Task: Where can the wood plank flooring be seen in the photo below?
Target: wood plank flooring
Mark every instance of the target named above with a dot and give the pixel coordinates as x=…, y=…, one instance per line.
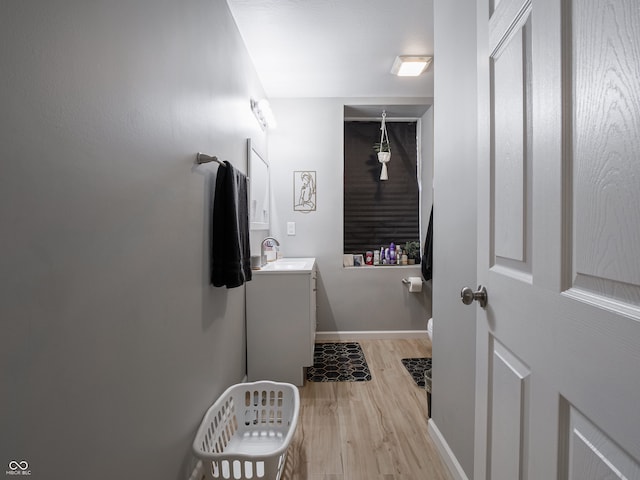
x=374, y=430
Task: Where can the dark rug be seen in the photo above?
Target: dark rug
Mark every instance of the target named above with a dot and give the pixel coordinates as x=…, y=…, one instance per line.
x=338, y=362
x=417, y=367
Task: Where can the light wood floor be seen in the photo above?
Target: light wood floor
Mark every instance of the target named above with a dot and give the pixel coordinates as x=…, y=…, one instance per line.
x=374, y=430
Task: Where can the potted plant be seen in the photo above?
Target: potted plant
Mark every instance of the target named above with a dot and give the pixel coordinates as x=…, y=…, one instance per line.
x=413, y=252
x=384, y=155
x=383, y=151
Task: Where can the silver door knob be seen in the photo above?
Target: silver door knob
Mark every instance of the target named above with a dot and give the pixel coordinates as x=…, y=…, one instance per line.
x=480, y=295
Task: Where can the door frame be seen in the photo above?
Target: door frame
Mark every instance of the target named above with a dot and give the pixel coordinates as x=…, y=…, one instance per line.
x=455, y=248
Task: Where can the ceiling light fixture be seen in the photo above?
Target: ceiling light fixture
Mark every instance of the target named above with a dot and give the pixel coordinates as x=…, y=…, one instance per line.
x=410, y=66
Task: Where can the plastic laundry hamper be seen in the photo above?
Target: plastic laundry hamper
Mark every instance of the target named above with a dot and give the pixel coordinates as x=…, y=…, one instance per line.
x=247, y=431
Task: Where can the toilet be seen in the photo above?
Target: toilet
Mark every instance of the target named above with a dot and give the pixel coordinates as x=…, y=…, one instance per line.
x=430, y=328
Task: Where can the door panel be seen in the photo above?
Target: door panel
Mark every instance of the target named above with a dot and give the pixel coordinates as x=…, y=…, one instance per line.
x=592, y=455
x=511, y=140
x=509, y=157
x=509, y=413
x=606, y=150
x=558, y=345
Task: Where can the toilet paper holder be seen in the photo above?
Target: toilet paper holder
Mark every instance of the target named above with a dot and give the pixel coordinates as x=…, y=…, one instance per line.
x=414, y=284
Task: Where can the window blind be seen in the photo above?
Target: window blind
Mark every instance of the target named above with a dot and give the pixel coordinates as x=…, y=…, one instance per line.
x=377, y=212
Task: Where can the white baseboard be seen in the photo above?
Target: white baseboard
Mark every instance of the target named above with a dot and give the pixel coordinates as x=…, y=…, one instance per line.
x=446, y=453
x=369, y=335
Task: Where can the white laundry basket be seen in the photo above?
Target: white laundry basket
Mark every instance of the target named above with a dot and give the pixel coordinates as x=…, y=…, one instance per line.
x=247, y=431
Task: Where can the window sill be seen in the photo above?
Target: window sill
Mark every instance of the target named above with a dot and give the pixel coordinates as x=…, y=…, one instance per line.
x=379, y=267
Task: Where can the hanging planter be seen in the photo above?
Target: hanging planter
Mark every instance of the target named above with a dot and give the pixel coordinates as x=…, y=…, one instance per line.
x=383, y=158
x=383, y=148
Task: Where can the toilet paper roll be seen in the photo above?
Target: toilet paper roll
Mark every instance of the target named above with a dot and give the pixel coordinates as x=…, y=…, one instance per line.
x=415, y=284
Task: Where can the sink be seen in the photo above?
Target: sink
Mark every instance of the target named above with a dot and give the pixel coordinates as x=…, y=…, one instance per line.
x=288, y=265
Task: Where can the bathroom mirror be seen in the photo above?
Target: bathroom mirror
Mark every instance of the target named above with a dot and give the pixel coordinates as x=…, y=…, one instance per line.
x=259, y=191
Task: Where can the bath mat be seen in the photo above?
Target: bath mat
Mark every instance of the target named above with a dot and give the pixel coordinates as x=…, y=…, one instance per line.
x=417, y=367
x=338, y=362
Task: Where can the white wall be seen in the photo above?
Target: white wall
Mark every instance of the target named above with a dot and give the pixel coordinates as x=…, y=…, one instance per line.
x=310, y=137
x=455, y=226
x=113, y=342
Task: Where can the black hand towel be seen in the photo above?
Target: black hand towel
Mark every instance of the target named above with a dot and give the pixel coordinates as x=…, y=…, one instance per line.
x=427, y=257
x=230, y=252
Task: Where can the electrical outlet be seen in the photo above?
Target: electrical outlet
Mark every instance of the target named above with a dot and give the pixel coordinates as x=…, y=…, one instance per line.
x=291, y=228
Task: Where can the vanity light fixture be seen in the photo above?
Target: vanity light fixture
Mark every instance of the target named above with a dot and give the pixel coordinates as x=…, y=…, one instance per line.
x=410, y=66
x=262, y=110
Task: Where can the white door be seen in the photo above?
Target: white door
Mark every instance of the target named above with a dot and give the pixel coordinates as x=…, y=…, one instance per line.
x=558, y=344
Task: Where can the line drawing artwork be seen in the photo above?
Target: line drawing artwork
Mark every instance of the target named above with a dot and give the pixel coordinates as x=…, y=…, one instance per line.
x=304, y=191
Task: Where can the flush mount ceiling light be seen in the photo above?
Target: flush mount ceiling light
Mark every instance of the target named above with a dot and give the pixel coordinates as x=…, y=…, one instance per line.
x=410, y=66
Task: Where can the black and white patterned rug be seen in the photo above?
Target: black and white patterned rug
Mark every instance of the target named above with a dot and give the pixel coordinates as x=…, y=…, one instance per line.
x=417, y=367
x=338, y=362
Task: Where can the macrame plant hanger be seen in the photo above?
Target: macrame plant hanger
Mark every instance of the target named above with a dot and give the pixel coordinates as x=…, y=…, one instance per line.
x=384, y=155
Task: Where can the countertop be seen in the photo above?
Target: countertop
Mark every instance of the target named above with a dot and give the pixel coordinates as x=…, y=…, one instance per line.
x=288, y=265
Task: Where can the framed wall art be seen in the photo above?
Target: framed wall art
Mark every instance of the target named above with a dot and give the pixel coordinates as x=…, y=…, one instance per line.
x=304, y=191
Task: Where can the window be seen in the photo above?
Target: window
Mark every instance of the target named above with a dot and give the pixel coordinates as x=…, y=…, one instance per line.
x=378, y=212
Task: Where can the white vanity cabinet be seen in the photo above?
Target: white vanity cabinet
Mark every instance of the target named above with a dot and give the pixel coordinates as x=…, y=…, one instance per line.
x=281, y=320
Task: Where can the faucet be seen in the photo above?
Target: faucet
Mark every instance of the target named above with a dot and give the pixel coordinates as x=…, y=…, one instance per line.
x=263, y=260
